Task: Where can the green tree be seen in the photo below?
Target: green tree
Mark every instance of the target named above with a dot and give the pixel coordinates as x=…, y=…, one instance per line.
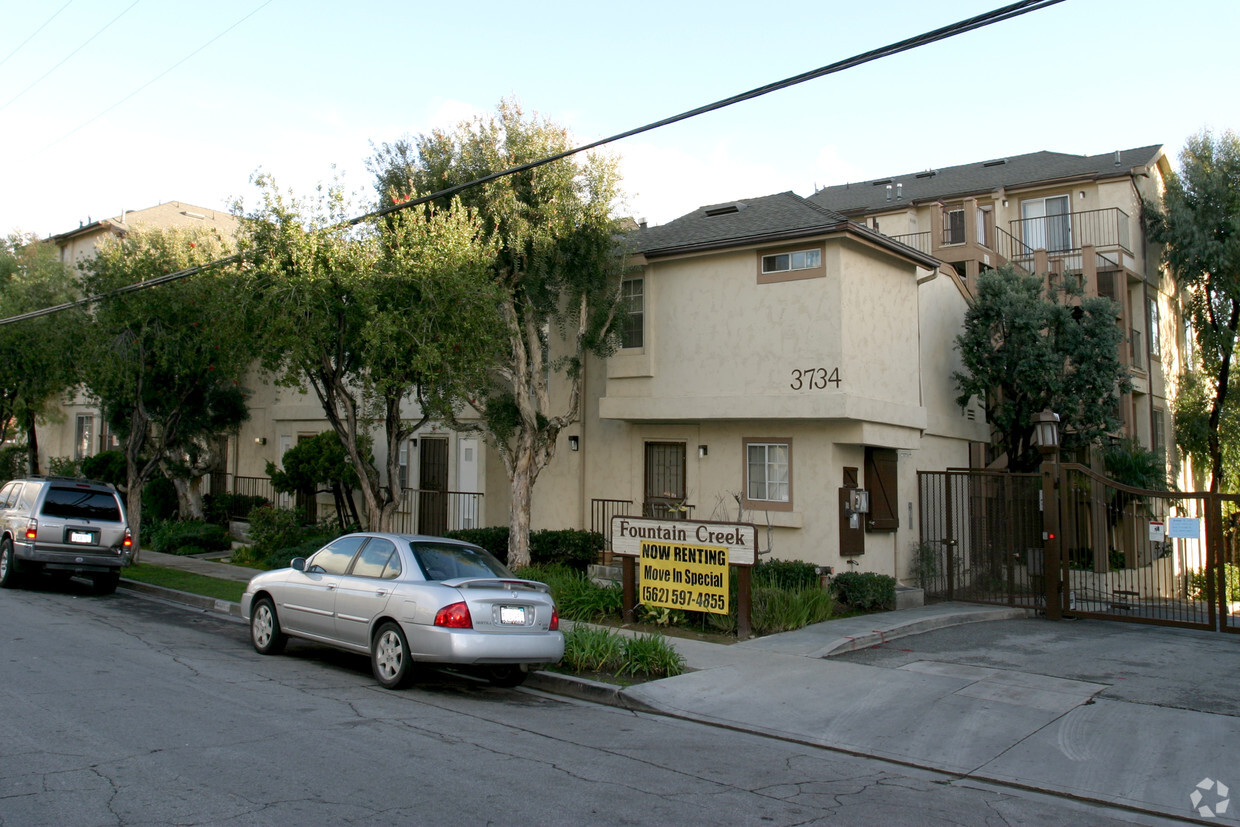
x=1199, y=228
x=164, y=362
x=374, y=320
x=319, y=464
x=557, y=263
x=1027, y=349
x=36, y=355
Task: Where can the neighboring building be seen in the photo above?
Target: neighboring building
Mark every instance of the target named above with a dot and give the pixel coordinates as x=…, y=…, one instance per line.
x=1069, y=216
x=83, y=432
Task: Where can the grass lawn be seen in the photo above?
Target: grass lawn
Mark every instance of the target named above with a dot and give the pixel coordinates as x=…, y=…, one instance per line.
x=185, y=581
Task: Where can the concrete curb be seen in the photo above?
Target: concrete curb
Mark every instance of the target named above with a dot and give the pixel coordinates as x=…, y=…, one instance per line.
x=195, y=601
x=878, y=637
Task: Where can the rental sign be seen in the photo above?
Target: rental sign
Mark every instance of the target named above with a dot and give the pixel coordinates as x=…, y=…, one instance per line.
x=684, y=565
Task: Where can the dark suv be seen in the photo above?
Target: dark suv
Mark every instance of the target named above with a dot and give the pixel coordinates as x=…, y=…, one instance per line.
x=63, y=526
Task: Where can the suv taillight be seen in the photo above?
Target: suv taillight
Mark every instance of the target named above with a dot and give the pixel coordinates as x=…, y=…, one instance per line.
x=128, y=541
x=32, y=530
x=455, y=616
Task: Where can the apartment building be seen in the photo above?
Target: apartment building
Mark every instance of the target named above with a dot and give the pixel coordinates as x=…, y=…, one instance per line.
x=1068, y=216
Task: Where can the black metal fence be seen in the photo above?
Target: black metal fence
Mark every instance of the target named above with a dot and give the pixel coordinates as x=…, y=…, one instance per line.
x=1167, y=558
x=981, y=537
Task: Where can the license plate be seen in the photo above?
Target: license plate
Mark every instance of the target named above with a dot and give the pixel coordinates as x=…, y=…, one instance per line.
x=512, y=615
x=83, y=537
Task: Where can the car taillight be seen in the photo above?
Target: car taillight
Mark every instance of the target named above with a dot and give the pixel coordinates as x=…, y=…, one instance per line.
x=128, y=541
x=32, y=530
x=455, y=616
x=555, y=619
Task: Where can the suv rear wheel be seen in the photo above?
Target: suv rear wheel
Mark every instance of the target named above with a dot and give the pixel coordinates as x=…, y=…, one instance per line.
x=8, y=565
x=106, y=582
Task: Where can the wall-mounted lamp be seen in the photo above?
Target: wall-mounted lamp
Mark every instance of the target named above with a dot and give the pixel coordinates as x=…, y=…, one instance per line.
x=574, y=443
x=703, y=451
x=260, y=440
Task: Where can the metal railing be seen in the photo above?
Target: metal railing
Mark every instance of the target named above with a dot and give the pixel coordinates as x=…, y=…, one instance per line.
x=918, y=241
x=437, y=512
x=1105, y=228
x=601, y=512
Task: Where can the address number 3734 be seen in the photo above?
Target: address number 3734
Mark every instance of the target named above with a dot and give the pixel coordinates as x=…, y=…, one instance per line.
x=814, y=379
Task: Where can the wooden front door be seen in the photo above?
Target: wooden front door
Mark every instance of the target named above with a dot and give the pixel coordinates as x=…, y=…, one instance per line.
x=432, y=485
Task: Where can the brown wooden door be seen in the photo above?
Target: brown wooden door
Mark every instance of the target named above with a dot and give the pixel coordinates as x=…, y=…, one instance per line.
x=665, y=480
x=432, y=485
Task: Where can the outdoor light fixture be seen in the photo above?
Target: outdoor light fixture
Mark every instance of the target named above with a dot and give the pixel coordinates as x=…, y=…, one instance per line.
x=702, y=451
x=1046, y=432
x=260, y=440
x=574, y=443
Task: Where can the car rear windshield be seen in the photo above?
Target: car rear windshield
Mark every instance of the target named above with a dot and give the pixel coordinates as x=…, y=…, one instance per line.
x=444, y=561
x=81, y=504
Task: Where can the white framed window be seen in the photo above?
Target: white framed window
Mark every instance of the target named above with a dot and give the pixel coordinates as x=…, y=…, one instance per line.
x=796, y=260
x=953, y=226
x=1152, y=308
x=84, y=434
x=768, y=473
x=632, y=308
x=1190, y=345
x=1046, y=223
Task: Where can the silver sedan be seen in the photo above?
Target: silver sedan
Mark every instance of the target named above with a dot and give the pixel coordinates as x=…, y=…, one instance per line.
x=407, y=599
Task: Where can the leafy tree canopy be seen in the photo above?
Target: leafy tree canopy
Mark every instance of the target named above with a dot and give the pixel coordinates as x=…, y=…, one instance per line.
x=1198, y=225
x=556, y=261
x=1027, y=349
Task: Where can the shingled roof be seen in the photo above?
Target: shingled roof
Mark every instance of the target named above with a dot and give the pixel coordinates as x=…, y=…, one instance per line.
x=767, y=219
x=981, y=177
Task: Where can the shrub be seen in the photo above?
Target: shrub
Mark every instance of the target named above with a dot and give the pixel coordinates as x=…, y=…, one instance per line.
x=785, y=574
x=1197, y=583
x=493, y=538
x=577, y=596
x=570, y=547
x=224, y=507
x=106, y=466
x=784, y=609
x=12, y=462
x=277, y=536
x=865, y=590
x=189, y=537
x=63, y=467
x=159, y=501
x=593, y=649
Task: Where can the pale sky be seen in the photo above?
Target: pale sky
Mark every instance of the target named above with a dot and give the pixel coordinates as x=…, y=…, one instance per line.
x=111, y=105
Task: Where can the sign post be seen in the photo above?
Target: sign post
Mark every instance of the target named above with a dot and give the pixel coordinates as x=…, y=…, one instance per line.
x=685, y=565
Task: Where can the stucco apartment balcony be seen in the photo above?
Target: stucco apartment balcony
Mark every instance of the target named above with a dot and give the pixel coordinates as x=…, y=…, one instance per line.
x=1065, y=237
x=969, y=240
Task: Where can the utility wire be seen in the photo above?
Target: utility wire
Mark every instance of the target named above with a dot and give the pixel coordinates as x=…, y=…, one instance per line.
x=967, y=25
x=36, y=31
x=82, y=126
x=71, y=54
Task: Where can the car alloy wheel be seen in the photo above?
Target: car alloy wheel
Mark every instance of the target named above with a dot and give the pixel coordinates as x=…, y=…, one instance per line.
x=389, y=657
x=265, y=631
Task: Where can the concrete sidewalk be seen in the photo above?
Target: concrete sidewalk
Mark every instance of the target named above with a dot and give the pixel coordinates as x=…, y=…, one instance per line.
x=987, y=724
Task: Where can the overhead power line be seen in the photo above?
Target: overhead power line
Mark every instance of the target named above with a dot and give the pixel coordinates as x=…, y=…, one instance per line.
x=36, y=31
x=65, y=59
x=970, y=24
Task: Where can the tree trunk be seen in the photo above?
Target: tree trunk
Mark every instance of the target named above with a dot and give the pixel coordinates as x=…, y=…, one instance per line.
x=32, y=444
x=133, y=505
x=519, y=515
x=189, y=498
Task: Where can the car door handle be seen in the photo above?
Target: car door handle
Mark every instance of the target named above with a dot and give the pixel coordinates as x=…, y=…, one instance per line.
x=331, y=586
x=381, y=592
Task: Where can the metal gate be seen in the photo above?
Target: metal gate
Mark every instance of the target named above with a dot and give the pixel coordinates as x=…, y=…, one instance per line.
x=981, y=536
x=1104, y=550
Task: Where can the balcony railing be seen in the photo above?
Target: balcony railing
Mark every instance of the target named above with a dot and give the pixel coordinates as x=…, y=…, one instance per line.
x=1104, y=229
x=918, y=241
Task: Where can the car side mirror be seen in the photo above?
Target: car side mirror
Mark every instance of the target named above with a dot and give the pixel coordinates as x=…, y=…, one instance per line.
x=297, y=564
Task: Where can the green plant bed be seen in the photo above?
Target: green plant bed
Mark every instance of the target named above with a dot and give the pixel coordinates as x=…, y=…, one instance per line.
x=185, y=581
